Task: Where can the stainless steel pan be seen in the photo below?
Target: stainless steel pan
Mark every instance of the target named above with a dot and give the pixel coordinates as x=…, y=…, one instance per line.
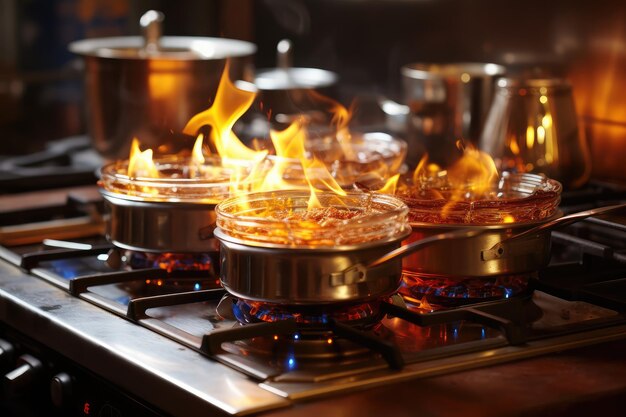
x=306, y=276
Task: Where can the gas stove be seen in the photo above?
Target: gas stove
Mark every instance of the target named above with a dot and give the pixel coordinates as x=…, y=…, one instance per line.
x=85, y=333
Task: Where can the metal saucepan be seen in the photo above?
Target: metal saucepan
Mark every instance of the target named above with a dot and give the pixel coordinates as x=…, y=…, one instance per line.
x=151, y=86
x=159, y=226
x=484, y=250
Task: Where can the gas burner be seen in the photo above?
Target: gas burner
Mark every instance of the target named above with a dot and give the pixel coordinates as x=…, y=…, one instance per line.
x=308, y=347
x=204, y=262
x=363, y=315
x=435, y=292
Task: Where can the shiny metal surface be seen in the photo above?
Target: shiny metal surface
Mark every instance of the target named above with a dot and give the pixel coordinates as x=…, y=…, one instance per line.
x=447, y=102
x=151, y=27
x=533, y=126
x=448, y=257
x=162, y=372
x=168, y=374
x=159, y=226
x=131, y=93
x=499, y=250
x=293, y=275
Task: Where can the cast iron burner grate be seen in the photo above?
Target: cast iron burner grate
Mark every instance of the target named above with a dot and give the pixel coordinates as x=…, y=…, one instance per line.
x=63, y=163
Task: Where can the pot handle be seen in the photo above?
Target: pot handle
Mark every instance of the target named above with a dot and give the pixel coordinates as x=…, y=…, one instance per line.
x=499, y=249
x=150, y=23
x=284, y=50
x=358, y=272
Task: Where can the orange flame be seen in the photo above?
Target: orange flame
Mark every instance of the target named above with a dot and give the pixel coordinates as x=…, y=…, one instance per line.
x=140, y=162
x=229, y=105
x=248, y=170
x=289, y=146
x=197, y=155
x=470, y=178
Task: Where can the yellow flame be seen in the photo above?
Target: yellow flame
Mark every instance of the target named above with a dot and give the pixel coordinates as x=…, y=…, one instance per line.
x=197, y=156
x=390, y=186
x=470, y=177
x=229, y=105
x=290, y=150
x=289, y=146
x=318, y=176
x=140, y=163
x=475, y=171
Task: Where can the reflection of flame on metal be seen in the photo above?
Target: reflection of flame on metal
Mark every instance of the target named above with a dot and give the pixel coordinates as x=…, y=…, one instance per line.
x=254, y=311
x=171, y=261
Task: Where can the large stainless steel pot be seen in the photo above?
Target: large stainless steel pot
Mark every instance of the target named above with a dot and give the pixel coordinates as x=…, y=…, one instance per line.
x=446, y=102
x=148, y=87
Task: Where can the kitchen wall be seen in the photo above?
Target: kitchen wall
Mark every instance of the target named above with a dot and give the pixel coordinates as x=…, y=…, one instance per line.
x=365, y=41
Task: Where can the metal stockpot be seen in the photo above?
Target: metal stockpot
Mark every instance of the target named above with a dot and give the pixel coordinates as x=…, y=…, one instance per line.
x=148, y=87
x=446, y=102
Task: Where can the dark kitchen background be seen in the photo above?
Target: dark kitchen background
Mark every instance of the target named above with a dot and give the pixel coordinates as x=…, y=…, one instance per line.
x=364, y=41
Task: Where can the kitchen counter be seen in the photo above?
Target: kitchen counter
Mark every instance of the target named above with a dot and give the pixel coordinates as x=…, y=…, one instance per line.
x=580, y=382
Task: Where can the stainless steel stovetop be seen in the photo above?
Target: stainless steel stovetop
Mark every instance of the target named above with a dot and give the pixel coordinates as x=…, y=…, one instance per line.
x=187, y=348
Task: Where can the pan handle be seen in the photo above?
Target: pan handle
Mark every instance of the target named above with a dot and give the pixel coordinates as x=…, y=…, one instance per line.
x=358, y=272
x=498, y=250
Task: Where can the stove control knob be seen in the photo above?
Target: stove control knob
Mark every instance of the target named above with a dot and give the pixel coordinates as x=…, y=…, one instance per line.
x=24, y=376
x=61, y=390
x=6, y=354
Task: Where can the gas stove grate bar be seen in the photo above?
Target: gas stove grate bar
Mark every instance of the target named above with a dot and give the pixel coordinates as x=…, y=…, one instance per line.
x=137, y=307
x=10, y=256
x=587, y=246
x=212, y=342
x=514, y=334
x=80, y=284
x=31, y=260
x=389, y=351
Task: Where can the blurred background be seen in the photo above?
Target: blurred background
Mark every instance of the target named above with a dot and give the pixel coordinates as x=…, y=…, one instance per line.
x=364, y=41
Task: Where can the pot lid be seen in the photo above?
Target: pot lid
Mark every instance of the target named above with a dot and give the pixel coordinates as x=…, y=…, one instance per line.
x=294, y=78
x=170, y=47
x=152, y=46
x=285, y=77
